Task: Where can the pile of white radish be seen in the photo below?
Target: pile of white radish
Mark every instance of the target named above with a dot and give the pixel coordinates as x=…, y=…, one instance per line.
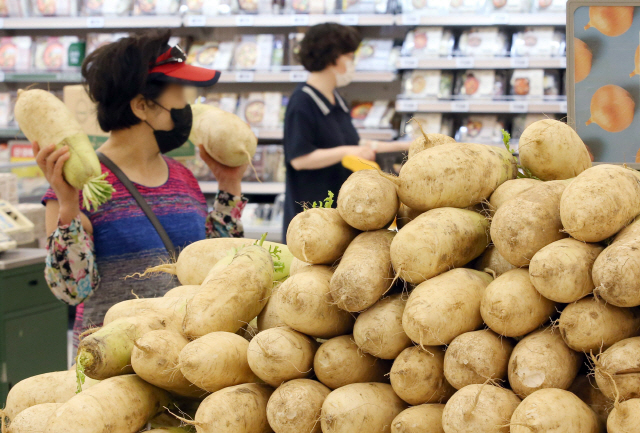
x=500, y=305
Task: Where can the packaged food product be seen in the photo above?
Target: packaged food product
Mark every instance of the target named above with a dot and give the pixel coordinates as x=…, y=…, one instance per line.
x=359, y=112
x=15, y=53
x=64, y=53
x=484, y=42
x=210, y=7
x=538, y=42
x=156, y=7
x=211, y=55
x=431, y=123
x=51, y=8
x=293, y=48
x=14, y=8
x=261, y=109
x=97, y=40
x=549, y=5
x=511, y=6
x=425, y=7
x=379, y=115
x=485, y=129
x=428, y=42
x=374, y=55
x=521, y=122
x=535, y=83
x=277, y=56
x=427, y=84
x=107, y=7
x=482, y=84
x=466, y=6
x=5, y=109
x=253, y=52
x=363, y=6
x=305, y=6
x=224, y=101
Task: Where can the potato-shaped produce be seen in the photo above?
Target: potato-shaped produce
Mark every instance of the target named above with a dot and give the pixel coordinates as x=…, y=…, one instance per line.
x=552, y=150
x=319, y=236
x=583, y=59
x=475, y=357
x=542, y=360
x=361, y=407
x=456, y=175
x=426, y=418
x=612, y=108
x=512, y=307
x=427, y=141
x=437, y=241
x=444, y=307
x=529, y=222
x=339, y=362
x=280, y=354
x=586, y=389
x=591, y=324
x=610, y=20
x=553, y=411
x=479, y=408
x=510, y=189
x=297, y=266
x=33, y=419
x=364, y=273
x=182, y=291
x=305, y=304
x=624, y=417
x=600, y=202
x=378, y=331
x=268, y=317
x=492, y=262
x=368, y=201
x=617, y=370
x=296, y=405
x=217, y=360
x=417, y=376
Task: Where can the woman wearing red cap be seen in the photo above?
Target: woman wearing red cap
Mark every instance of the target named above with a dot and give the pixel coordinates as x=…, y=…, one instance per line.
x=138, y=85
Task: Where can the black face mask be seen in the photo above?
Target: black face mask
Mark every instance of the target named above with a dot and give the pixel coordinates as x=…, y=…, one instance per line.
x=173, y=139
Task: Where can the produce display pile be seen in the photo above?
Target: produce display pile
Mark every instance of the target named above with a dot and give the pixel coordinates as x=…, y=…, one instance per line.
x=507, y=301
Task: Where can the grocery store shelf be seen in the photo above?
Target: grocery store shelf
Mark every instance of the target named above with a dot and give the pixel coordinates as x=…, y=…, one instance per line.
x=532, y=106
x=523, y=19
x=40, y=77
x=370, y=134
x=11, y=133
x=247, y=187
x=298, y=77
x=295, y=20
x=115, y=22
x=483, y=63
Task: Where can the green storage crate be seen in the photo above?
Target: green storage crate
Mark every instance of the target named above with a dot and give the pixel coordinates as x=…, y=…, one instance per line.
x=33, y=323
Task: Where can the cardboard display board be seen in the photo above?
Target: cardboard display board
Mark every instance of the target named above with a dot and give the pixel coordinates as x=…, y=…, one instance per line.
x=603, y=81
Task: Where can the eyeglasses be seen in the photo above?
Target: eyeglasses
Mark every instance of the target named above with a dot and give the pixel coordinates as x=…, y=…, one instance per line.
x=175, y=55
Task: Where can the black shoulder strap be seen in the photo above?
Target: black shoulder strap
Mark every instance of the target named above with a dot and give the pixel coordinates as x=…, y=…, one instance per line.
x=141, y=202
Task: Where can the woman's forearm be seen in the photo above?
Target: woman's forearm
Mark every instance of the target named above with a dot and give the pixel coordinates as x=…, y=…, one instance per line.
x=387, y=146
x=322, y=158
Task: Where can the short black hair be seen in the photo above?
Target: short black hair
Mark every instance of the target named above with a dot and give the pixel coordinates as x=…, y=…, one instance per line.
x=116, y=73
x=324, y=43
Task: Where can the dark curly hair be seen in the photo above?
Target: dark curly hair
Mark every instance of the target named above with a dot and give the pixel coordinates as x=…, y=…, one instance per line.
x=116, y=73
x=324, y=43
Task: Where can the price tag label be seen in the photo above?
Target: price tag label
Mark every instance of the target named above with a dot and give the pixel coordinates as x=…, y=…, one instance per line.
x=520, y=62
x=406, y=106
x=563, y=62
x=300, y=20
x=244, y=77
x=244, y=20
x=460, y=107
x=563, y=107
x=500, y=18
x=349, y=20
x=464, y=62
x=408, y=63
x=95, y=22
x=519, y=107
x=410, y=20
x=298, y=76
x=196, y=21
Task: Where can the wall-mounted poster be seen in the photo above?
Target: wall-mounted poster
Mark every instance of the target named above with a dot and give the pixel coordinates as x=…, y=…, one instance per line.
x=603, y=81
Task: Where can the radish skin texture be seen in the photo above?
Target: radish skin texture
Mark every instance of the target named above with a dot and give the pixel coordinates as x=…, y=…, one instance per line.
x=427, y=141
x=474, y=357
x=512, y=307
x=134, y=400
x=338, y=362
x=237, y=409
x=426, y=418
x=592, y=325
x=268, y=317
x=491, y=261
x=624, y=417
x=617, y=370
x=364, y=273
x=33, y=419
x=552, y=150
x=456, y=175
x=45, y=119
x=508, y=190
x=280, y=354
x=295, y=407
x=368, y=201
x=586, y=389
x=405, y=215
x=297, y=266
x=173, y=308
x=553, y=411
x=378, y=331
x=417, y=376
x=600, y=202
x=527, y=223
x=225, y=137
x=234, y=296
x=444, y=307
x=305, y=304
x=542, y=360
x=216, y=361
x=155, y=358
x=361, y=407
x=479, y=408
x=437, y=241
x=182, y=291
x=561, y=271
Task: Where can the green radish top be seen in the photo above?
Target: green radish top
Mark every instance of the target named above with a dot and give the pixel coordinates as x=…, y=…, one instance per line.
x=523, y=172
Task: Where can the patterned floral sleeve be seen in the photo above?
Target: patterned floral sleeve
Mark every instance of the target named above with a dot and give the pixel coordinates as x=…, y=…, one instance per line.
x=224, y=221
x=71, y=269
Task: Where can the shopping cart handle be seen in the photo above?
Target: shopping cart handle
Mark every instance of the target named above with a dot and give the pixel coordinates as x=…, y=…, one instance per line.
x=354, y=163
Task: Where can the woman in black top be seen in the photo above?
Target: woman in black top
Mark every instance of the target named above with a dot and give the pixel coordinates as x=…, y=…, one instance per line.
x=318, y=131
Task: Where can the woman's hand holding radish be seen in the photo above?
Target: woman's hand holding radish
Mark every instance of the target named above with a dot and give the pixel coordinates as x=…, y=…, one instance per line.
x=51, y=162
x=229, y=178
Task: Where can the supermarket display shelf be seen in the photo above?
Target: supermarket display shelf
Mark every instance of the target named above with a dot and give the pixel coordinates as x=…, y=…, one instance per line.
x=11, y=133
x=370, y=134
x=40, y=77
x=114, y=22
x=460, y=106
x=247, y=187
x=496, y=19
x=274, y=233
x=483, y=63
x=291, y=20
x=298, y=76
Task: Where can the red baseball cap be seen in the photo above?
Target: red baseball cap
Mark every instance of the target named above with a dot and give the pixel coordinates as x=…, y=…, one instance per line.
x=171, y=67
